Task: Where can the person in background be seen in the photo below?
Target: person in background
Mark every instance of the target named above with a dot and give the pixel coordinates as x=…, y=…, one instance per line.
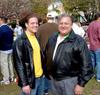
x=44, y=32
x=68, y=60
x=28, y=58
x=93, y=32
x=18, y=30
x=6, y=41
x=77, y=28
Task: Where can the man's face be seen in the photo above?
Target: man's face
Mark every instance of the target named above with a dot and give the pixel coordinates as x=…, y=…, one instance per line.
x=65, y=25
x=32, y=25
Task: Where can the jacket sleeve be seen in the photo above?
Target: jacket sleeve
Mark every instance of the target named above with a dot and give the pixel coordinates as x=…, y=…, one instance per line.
x=19, y=63
x=86, y=69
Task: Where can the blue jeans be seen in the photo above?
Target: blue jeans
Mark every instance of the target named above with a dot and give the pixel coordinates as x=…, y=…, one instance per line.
x=39, y=87
x=95, y=55
x=46, y=85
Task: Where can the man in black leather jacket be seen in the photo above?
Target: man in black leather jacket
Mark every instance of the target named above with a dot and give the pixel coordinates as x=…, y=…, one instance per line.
x=28, y=59
x=68, y=60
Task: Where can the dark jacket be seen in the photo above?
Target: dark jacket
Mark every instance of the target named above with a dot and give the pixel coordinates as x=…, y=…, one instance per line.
x=6, y=38
x=72, y=59
x=23, y=61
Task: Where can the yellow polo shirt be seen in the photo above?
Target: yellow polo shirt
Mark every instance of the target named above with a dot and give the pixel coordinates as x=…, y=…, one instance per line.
x=36, y=55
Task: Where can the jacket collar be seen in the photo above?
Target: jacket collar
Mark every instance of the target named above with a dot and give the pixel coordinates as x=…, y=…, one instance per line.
x=71, y=36
x=25, y=38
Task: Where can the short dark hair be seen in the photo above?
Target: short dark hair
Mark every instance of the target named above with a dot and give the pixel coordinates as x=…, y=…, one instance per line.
x=97, y=15
x=30, y=15
x=65, y=15
x=4, y=18
x=26, y=18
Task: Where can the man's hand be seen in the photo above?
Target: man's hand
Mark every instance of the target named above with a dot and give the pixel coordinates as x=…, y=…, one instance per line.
x=78, y=90
x=26, y=89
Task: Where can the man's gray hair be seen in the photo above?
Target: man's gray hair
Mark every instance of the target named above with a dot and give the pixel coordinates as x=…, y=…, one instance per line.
x=64, y=15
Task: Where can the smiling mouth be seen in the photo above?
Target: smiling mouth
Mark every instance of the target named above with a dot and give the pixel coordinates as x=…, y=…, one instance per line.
x=62, y=29
x=34, y=28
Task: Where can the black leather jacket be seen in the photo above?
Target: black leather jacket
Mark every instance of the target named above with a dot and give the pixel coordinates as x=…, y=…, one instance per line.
x=23, y=63
x=72, y=59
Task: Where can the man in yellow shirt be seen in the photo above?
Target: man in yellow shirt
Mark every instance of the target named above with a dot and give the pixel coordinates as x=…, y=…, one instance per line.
x=28, y=59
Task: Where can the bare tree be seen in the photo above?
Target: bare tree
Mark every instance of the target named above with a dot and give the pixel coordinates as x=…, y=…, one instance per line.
x=13, y=8
x=40, y=6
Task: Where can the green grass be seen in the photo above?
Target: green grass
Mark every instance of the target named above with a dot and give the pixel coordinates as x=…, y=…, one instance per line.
x=92, y=88
x=12, y=89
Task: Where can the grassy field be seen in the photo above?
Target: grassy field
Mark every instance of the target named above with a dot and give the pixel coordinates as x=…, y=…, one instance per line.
x=92, y=88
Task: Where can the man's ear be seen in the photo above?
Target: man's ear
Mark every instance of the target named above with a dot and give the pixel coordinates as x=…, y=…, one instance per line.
x=26, y=25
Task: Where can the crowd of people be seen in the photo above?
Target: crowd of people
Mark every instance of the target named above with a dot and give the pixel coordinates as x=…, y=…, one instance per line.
x=52, y=57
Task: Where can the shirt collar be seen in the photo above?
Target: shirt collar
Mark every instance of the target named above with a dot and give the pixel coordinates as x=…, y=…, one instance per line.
x=2, y=24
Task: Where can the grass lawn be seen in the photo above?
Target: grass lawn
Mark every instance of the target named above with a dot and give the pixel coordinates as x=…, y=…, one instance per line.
x=92, y=88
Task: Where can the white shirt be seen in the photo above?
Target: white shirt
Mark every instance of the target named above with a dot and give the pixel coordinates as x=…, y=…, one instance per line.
x=78, y=30
x=6, y=52
x=59, y=40
x=18, y=30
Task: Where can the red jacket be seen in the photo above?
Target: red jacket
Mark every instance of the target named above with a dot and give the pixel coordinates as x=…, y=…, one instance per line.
x=93, y=32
